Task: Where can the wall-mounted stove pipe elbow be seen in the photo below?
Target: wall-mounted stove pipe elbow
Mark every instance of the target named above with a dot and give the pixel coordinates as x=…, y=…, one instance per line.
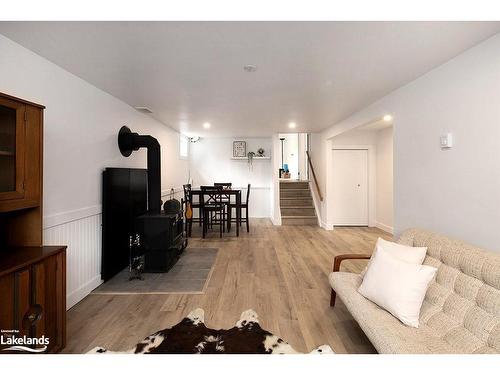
x=129, y=142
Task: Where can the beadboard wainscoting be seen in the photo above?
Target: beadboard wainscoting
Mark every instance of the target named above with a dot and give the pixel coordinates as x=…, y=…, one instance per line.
x=81, y=231
x=83, y=237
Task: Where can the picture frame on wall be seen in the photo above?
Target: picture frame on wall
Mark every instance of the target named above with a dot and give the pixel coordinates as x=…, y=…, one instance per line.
x=239, y=149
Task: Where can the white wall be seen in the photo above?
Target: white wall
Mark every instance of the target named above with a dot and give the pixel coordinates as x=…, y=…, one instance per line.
x=211, y=162
x=81, y=124
x=385, y=181
x=455, y=192
x=302, y=156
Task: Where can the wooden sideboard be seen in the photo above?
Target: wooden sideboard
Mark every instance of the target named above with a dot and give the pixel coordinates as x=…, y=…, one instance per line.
x=33, y=294
x=32, y=276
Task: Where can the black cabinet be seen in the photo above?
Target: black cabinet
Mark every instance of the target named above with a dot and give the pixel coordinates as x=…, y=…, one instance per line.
x=124, y=198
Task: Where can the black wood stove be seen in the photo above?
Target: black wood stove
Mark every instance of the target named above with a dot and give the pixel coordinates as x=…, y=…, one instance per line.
x=136, y=232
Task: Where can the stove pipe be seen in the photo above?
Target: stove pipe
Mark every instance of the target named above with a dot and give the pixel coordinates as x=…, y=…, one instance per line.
x=128, y=142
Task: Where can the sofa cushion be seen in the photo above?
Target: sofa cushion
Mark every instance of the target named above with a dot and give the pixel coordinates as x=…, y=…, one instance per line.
x=397, y=286
x=462, y=304
x=386, y=333
x=405, y=253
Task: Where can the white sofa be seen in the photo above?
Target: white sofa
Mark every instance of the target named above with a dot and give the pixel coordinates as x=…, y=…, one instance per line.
x=461, y=310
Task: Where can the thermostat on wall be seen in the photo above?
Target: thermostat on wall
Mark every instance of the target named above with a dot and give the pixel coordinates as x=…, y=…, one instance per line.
x=446, y=140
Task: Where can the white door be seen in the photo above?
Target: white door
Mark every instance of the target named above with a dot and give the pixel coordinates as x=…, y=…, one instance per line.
x=350, y=187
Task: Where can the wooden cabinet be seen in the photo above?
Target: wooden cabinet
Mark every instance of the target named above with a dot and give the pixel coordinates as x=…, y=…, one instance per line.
x=21, y=130
x=33, y=294
x=32, y=276
x=21, y=169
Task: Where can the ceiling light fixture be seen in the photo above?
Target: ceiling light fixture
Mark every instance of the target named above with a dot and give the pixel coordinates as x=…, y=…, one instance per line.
x=292, y=125
x=249, y=68
x=387, y=118
x=207, y=125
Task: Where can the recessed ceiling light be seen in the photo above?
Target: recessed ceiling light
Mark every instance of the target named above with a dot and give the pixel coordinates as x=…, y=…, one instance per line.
x=207, y=125
x=249, y=68
x=292, y=125
x=387, y=118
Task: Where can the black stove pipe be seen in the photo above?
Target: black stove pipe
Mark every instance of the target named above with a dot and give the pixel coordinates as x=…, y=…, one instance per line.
x=128, y=142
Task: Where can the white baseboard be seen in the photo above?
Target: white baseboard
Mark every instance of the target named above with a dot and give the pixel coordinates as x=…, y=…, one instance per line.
x=385, y=228
x=276, y=221
x=76, y=296
x=326, y=226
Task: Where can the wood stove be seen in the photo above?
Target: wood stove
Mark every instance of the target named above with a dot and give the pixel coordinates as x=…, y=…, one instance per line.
x=161, y=236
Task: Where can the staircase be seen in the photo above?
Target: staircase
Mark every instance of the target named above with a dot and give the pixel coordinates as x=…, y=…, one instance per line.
x=296, y=203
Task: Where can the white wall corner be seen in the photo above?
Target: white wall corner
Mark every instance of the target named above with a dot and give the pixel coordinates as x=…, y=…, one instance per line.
x=326, y=226
x=276, y=220
x=385, y=228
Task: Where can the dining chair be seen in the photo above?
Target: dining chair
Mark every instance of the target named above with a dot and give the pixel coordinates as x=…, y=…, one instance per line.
x=243, y=205
x=213, y=208
x=188, y=198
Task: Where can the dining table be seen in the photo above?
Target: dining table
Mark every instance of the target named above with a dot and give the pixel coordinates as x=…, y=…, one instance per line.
x=229, y=192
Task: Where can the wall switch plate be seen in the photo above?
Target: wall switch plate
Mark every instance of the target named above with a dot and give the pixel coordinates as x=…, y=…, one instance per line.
x=446, y=140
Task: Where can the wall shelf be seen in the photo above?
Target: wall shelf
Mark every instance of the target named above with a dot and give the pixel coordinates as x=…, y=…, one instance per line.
x=254, y=158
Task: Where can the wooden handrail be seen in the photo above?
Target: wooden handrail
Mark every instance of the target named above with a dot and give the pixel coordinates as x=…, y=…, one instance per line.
x=314, y=176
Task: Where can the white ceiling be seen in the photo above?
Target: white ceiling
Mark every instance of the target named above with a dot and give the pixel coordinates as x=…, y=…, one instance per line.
x=312, y=73
x=376, y=125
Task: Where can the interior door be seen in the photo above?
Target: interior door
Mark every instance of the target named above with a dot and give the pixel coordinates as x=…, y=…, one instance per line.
x=350, y=187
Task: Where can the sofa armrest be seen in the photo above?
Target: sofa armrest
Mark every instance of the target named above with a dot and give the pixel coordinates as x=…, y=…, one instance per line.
x=339, y=258
x=336, y=267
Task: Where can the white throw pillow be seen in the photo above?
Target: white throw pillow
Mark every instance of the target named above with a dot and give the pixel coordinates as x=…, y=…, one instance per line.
x=396, y=286
x=408, y=254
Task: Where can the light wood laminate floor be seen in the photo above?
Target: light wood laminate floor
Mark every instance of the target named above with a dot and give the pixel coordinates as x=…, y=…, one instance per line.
x=280, y=272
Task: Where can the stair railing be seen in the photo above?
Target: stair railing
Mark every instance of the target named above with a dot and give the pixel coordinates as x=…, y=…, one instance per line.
x=318, y=190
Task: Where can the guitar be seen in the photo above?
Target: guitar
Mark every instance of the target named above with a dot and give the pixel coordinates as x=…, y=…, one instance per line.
x=189, y=211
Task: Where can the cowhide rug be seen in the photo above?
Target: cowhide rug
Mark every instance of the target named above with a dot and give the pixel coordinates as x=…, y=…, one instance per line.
x=191, y=336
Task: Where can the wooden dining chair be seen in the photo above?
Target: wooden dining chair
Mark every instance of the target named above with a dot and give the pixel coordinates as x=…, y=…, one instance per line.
x=213, y=208
x=225, y=198
x=243, y=205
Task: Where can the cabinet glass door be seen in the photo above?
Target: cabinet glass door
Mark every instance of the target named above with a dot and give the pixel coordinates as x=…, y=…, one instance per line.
x=11, y=149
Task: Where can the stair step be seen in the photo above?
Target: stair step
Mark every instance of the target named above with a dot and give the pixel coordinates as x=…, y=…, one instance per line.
x=290, y=193
x=298, y=211
x=296, y=202
x=299, y=220
x=294, y=185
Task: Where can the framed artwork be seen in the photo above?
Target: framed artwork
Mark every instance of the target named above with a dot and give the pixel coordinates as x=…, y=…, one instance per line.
x=239, y=149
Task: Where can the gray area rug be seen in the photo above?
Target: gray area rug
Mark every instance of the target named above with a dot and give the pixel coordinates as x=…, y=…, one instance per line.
x=189, y=275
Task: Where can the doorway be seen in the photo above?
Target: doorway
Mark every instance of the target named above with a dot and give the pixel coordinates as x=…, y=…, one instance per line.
x=362, y=154
x=293, y=148
x=350, y=187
